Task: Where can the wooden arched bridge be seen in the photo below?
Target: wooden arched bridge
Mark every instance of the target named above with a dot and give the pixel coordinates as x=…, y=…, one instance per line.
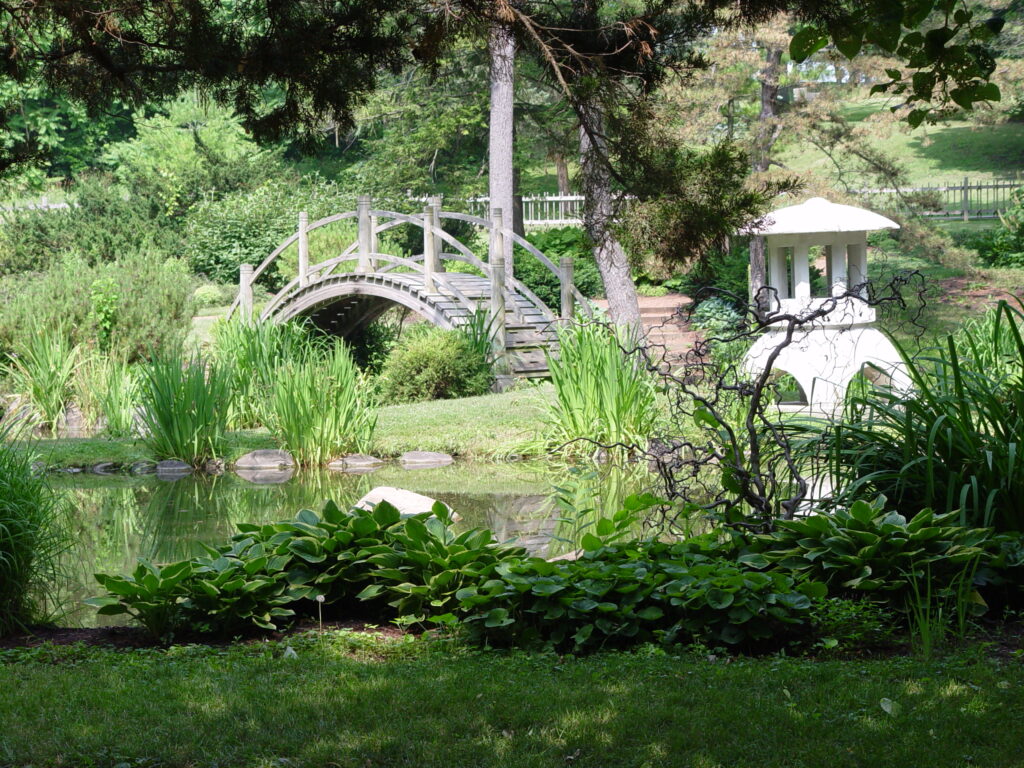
x=348, y=291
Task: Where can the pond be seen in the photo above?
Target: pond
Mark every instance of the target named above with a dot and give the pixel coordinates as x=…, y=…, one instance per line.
x=118, y=518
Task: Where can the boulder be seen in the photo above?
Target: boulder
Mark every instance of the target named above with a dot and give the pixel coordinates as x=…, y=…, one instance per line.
x=424, y=459
x=172, y=469
x=265, y=459
x=143, y=468
x=266, y=476
x=406, y=502
x=356, y=464
x=105, y=468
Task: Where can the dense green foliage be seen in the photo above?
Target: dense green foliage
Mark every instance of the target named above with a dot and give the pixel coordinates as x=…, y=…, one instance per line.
x=428, y=363
x=411, y=566
x=635, y=592
x=1002, y=246
x=184, y=408
x=252, y=353
x=603, y=395
x=33, y=537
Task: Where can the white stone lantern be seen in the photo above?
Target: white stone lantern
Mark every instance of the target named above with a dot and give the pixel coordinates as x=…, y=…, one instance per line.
x=827, y=352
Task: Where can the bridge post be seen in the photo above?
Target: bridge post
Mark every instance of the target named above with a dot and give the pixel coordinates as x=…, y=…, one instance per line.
x=496, y=263
x=245, y=291
x=365, y=233
x=565, y=279
x=303, y=249
x=429, y=249
x=374, y=245
x=435, y=225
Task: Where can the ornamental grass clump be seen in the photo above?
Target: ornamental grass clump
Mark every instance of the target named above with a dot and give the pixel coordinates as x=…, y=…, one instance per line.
x=33, y=537
x=602, y=394
x=320, y=408
x=184, y=408
x=952, y=443
x=41, y=370
x=251, y=353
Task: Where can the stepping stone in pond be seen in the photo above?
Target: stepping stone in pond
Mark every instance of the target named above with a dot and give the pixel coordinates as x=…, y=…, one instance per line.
x=356, y=464
x=424, y=459
x=172, y=469
x=265, y=459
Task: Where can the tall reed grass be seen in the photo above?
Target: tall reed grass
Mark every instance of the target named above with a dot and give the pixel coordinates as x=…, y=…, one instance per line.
x=34, y=535
x=41, y=370
x=184, y=408
x=251, y=353
x=320, y=408
x=602, y=394
x=107, y=390
x=954, y=443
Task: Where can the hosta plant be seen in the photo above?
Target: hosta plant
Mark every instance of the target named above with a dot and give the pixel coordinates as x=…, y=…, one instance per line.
x=865, y=548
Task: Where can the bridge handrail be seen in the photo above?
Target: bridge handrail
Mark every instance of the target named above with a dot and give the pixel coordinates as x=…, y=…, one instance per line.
x=521, y=241
x=465, y=255
x=395, y=219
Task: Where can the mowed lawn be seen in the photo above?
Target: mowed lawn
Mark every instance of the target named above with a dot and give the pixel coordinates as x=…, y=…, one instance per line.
x=349, y=701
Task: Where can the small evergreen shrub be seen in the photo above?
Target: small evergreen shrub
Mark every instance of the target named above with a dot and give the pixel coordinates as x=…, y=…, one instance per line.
x=429, y=363
x=135, y=306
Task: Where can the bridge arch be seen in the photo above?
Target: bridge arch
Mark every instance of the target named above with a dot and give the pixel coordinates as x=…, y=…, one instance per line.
x=344, y=300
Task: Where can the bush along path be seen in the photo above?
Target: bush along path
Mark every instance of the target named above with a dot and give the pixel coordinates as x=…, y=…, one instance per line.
x=748, y=593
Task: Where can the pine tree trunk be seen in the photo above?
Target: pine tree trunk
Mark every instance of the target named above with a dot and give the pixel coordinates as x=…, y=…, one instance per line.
x=562, y=171
x=502, y=48
x=598, y=213
x=768, y=131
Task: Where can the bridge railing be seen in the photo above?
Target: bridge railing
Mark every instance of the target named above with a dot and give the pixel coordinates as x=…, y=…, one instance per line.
x=366, y=253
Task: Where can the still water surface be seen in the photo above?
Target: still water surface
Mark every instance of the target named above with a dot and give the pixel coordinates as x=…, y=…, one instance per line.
x=120, y=518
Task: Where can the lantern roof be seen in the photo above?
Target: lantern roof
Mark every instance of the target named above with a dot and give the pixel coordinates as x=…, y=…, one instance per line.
x=819, y=215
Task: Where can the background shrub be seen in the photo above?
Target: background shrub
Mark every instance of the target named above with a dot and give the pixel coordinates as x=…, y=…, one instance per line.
x=105, y=224
x=153, y=309
x=429, y=363
x=556, y=243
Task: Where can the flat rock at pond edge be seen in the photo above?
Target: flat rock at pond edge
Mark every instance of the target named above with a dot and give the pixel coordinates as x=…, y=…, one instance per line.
x=406, y=502
x=142, y=468
x=357, y=463
x=105, y=468
x=172, y=469
x=424, y=459
x=266, y=458
x=266, y=476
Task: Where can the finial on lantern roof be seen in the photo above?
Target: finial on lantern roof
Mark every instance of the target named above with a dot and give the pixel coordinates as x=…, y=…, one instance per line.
x=819, y=215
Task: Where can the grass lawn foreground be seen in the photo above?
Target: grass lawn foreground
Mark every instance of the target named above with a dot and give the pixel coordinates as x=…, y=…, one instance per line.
x=354, y=699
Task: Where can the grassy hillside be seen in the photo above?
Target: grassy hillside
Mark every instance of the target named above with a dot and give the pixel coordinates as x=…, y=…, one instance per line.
x=943, y=153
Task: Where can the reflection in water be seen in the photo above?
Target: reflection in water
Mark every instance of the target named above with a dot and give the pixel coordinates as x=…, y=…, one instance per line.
x=120, y=518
